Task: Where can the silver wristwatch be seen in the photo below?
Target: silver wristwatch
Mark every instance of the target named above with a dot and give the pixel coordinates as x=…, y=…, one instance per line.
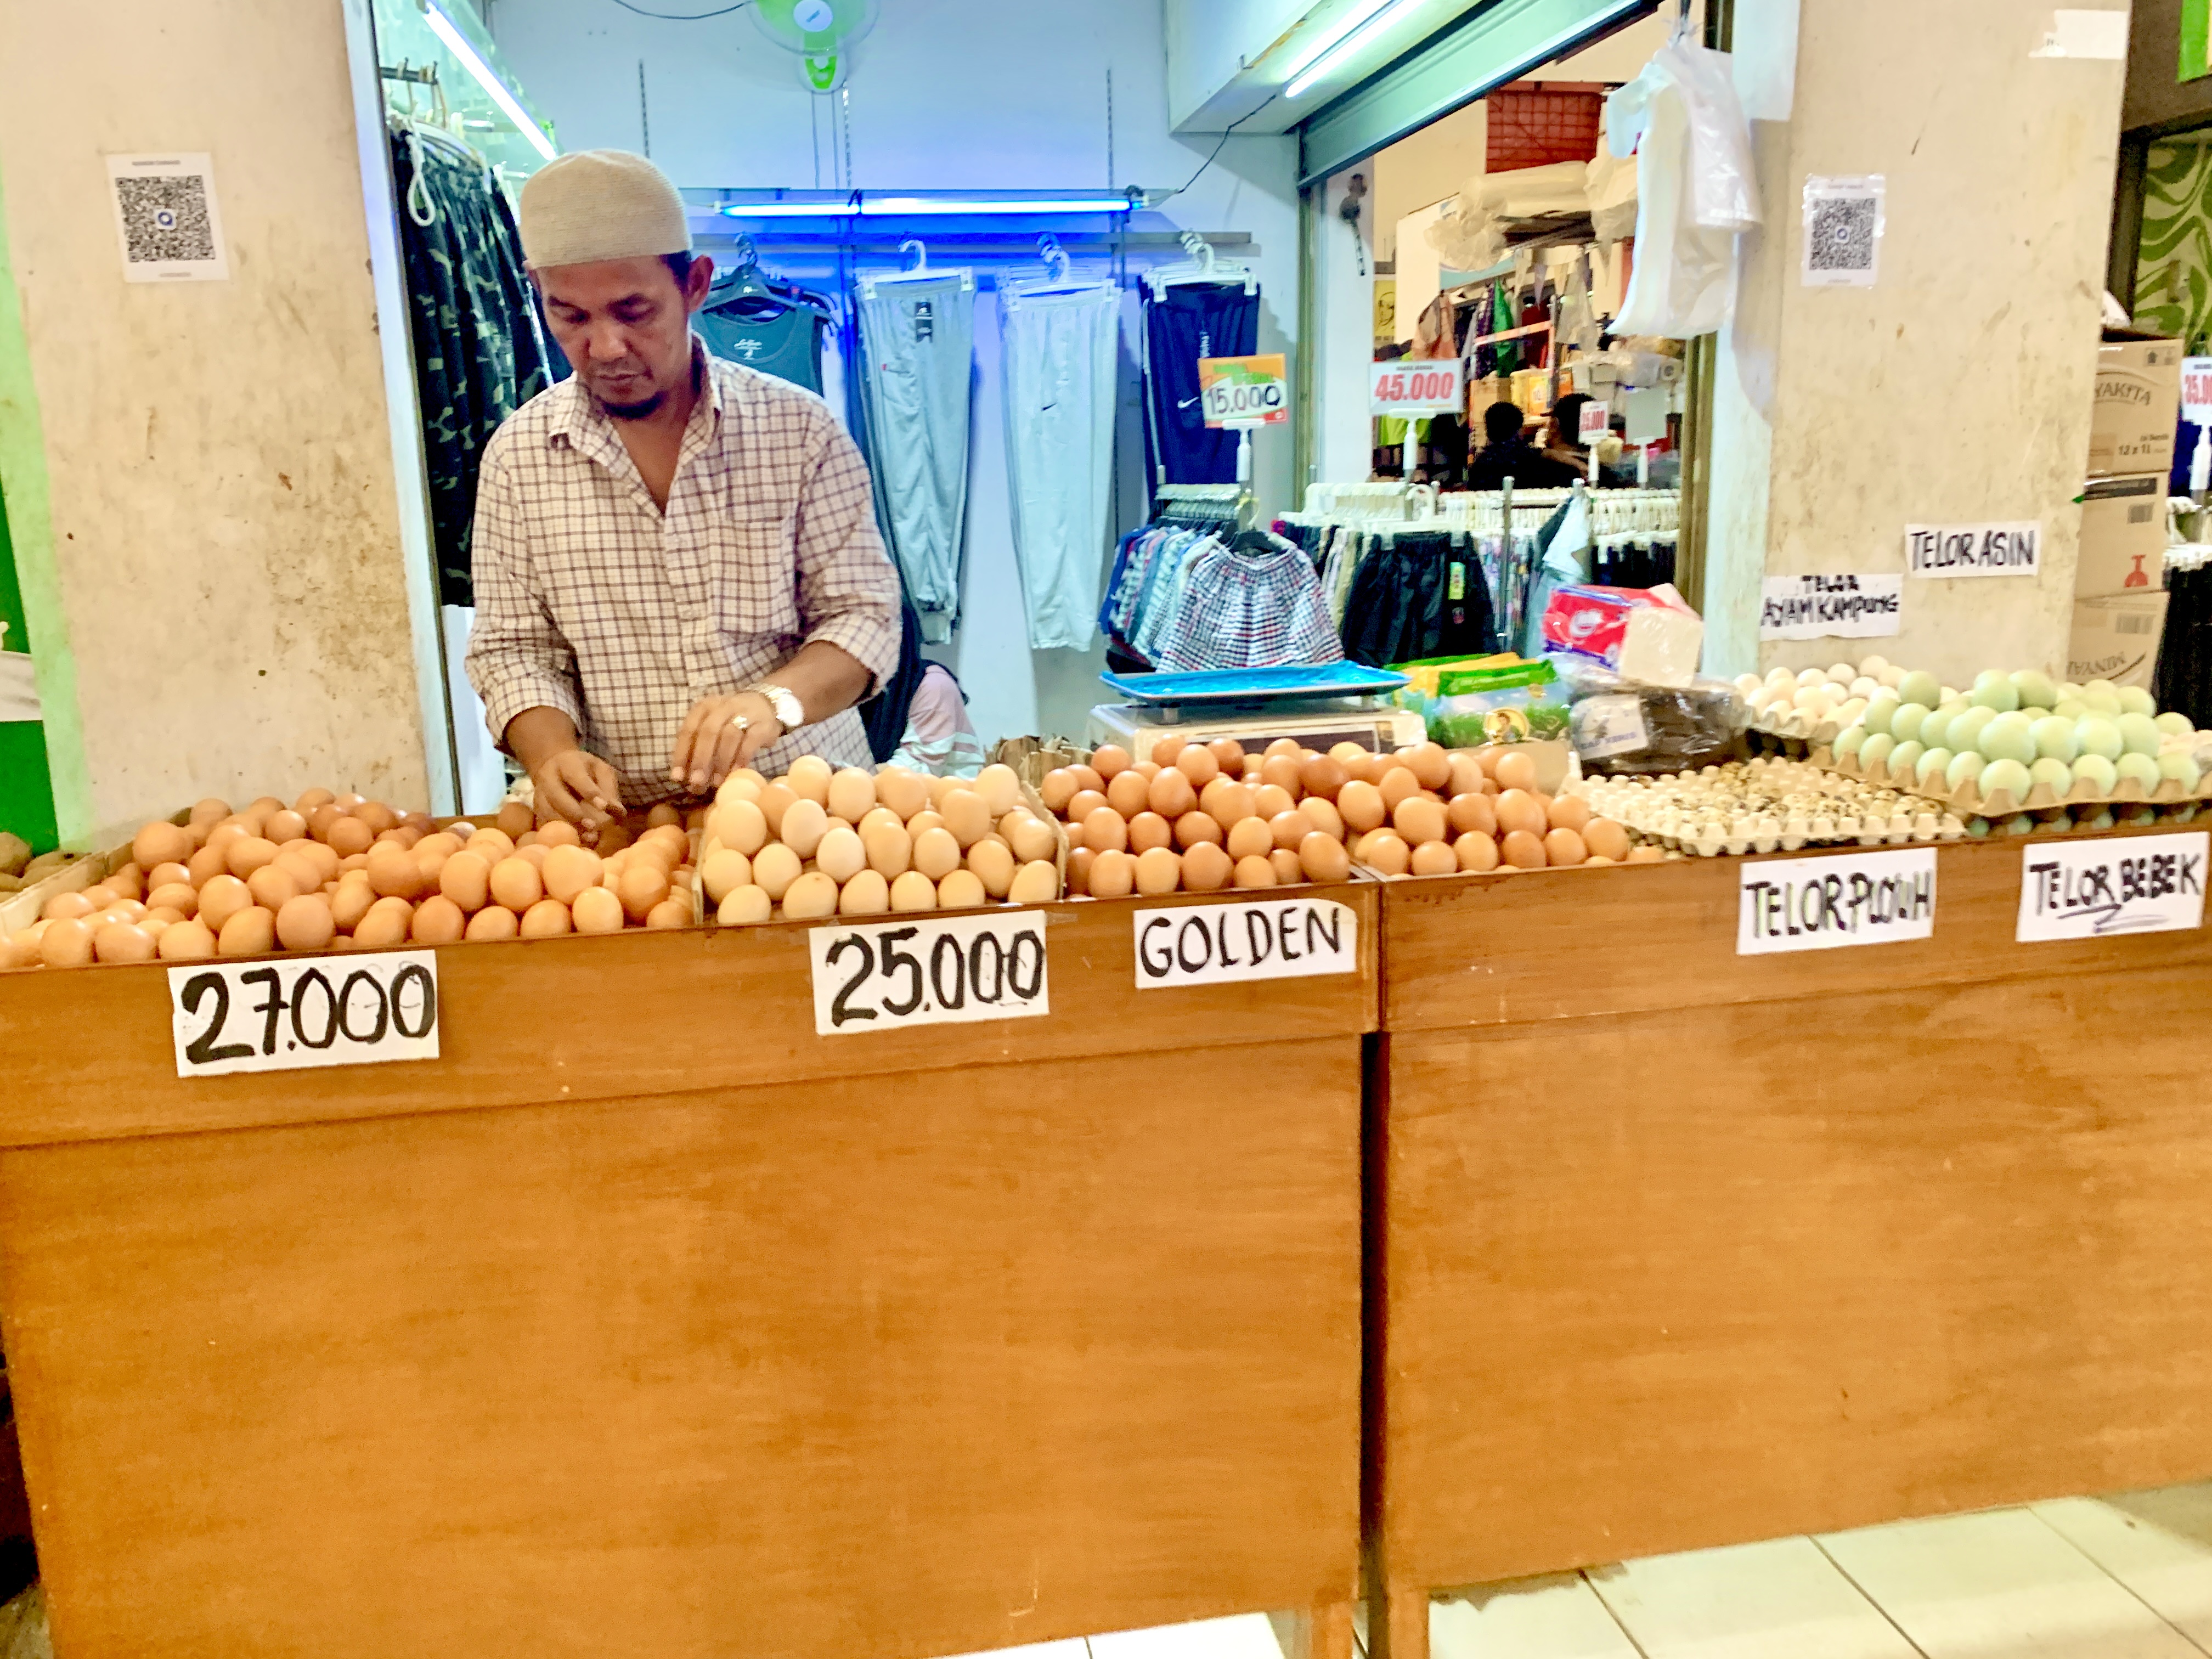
x=790, y=713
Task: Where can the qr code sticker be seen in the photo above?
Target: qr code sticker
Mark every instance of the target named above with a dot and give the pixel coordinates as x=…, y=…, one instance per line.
x=166, y=218
x=1843, y=230
x=165, y=221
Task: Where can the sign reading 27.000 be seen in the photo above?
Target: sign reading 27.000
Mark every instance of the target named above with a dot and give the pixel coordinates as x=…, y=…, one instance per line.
x=311, y=1011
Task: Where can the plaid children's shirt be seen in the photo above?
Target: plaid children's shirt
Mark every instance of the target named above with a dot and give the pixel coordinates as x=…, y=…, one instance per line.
x=591, y=600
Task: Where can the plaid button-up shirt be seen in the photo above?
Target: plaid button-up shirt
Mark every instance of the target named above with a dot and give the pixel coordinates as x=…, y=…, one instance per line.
x=591, y=600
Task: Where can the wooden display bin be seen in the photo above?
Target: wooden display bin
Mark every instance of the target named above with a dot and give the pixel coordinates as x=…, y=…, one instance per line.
x=645, y=1320
x=1676, y=1247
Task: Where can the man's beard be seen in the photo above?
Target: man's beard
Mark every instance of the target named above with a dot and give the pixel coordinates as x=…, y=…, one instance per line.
x=636, y=412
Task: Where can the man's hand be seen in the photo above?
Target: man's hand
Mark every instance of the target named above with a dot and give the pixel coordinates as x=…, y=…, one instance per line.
x=579, y=787
x=719, y=737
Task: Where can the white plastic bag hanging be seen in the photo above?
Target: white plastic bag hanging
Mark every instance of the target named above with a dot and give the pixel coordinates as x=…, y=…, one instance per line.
x=1695, y=192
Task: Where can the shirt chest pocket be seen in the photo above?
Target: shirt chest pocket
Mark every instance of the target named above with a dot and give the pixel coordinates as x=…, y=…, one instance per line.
x=752, y=578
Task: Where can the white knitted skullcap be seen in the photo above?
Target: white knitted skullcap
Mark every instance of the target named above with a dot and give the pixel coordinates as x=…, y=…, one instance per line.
x=600, y=204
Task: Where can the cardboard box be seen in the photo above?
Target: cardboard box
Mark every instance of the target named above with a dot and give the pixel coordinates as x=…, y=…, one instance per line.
x=2123, y=536
x=2138, y=405
x=2115, y=638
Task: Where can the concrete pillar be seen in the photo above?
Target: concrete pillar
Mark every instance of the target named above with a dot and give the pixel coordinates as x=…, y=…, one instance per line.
x=1957, y=389
x=199, y=475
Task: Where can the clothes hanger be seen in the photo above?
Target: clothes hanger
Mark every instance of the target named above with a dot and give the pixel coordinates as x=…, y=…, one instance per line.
x=919, y=272
x=1057, y=279
x=1203, y=266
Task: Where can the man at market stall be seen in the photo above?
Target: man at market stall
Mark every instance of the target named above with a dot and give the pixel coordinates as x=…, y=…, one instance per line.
x=677, y=569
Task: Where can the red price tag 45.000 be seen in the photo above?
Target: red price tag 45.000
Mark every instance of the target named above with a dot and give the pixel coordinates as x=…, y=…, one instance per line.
x=1412, y=387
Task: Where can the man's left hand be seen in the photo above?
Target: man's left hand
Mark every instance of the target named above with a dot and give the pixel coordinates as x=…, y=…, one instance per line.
x=719, y=736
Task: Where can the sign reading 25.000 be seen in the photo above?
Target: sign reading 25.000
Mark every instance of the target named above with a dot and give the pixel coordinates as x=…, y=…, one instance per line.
x=1244, y=391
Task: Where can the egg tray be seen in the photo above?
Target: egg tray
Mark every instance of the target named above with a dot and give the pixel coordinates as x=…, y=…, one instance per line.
x=1646, y=812
x=1968, y=800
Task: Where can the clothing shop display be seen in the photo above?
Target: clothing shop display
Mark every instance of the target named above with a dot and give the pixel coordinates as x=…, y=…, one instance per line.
x=918, y=336
x=776, y=327
x=479, y=353
x=782, y=340
x=1060, y=354
x=1200, y=596
x=1253, y=602
x=2183, y=680
x=1184, y=322
x=1418, y=593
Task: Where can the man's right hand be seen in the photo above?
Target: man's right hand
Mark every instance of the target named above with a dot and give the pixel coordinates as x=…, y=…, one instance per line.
x=578, y=786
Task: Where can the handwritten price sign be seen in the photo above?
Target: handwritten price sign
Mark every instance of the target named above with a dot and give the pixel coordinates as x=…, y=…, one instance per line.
x=947, y=970
x=1406, y=387
x=311, y=1010
x=1245, y=392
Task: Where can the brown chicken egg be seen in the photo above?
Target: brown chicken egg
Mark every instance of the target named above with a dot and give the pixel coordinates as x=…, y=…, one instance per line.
x=1113, y=875
x=1476, y=852
x=494, y=922
x=1520, y=849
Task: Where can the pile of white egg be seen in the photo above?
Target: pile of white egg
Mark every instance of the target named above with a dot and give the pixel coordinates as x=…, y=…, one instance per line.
x=1767, y=803
x=1816, y=703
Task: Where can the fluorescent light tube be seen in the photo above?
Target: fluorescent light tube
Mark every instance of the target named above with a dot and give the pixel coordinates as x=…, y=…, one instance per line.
x=842, y=207
x=897, y=207
x=458, y=43
x=1363, y=28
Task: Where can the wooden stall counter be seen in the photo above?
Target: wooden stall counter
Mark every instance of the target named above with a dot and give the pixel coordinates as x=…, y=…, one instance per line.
x=1678, y=1247
x=644, y=1319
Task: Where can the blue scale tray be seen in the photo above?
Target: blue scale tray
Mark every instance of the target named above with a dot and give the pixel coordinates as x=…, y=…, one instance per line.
x=1256, y=685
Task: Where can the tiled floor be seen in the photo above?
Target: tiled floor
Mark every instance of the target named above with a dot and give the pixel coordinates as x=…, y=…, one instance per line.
x=2081, y=1578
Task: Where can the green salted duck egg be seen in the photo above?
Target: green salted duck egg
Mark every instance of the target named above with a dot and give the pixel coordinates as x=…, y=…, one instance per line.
x=1920, y=687
x=1928, y=773
x=1992, y=690
x=1965, y=765
x=2174, y=724
x=2054, y=739
x=1874, y=753
x=1905, y=759
x=2099, y=736
x=1848, y=741
x=2139, y=734
x=2134, y=700
x=1905, y=724
x=2181, y=767
x=2142, y=768
x=2070, y=709
x=2056, y=772
x=2007, y=738
x=1879, y=711
x=2035, y=689
x=2008, y=775
x=2097, y=771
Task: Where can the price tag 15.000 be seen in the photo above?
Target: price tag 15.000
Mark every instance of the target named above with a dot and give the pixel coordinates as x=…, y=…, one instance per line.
x=933, y=970
x=311, y=1010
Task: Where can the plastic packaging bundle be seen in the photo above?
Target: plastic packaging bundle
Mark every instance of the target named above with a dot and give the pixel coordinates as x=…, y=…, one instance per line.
x=1646, y=634
x=1682, y=120
x=1619, y=726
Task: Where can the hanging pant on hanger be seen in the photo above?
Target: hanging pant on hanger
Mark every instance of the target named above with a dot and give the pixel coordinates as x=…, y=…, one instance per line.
x=1186, y=322
x=1061, y=354
x=1419, y=595
x=919, y=339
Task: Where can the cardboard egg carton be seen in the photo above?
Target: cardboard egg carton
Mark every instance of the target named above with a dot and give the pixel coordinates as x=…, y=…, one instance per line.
x=1968, y=800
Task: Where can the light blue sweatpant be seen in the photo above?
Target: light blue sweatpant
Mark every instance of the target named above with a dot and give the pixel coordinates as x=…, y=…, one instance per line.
x=918, y=341
x=1061, y=360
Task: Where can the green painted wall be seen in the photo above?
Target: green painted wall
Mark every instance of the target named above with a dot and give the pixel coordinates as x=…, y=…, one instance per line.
x=27, y=790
